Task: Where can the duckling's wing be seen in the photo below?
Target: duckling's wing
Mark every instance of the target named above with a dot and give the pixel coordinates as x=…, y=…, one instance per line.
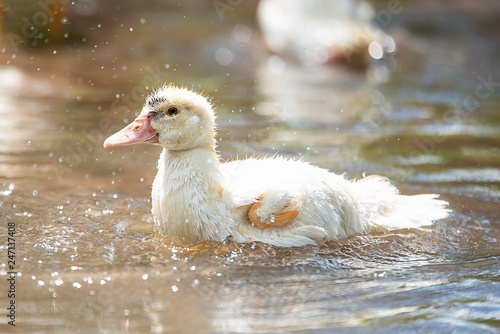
x=271, y=188
x=274, y=208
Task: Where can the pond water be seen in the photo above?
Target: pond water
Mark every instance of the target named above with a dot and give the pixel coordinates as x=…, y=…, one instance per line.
x=87, y=256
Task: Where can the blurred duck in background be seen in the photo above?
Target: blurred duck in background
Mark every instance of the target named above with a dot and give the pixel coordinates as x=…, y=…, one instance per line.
x=323, y=31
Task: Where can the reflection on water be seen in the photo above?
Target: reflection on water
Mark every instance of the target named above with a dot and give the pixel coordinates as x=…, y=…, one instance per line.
x=86, y=252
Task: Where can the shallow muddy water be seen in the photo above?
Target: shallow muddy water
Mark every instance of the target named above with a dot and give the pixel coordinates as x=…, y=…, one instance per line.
x=86, y=253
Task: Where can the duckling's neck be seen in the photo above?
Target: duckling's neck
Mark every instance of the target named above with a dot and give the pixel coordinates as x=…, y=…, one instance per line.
x=187, y=196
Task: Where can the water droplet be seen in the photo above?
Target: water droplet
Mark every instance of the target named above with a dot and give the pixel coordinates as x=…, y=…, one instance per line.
x=223, y=56
x=375, y=50
x=35, y=192
x=29, y=142
x=145, y=277
x=242, y=33
x=276, y=64
x=175, y=288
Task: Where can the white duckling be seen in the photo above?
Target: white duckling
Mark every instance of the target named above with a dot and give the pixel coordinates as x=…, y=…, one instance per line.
x=276, y=201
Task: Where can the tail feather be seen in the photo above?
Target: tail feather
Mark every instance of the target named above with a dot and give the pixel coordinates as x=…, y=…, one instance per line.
x=414, y=211
x=384, y=208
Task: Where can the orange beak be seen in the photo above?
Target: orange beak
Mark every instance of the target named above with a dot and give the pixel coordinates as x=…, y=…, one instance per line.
x=139, y=131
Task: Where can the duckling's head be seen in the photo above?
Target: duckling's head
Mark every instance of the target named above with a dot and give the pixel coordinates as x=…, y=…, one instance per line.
x=175, y=118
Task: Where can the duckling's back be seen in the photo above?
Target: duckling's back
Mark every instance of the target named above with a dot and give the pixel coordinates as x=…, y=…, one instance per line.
x=330, y=207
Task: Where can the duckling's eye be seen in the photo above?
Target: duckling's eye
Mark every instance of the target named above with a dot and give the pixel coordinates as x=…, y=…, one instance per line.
x=171, y=111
